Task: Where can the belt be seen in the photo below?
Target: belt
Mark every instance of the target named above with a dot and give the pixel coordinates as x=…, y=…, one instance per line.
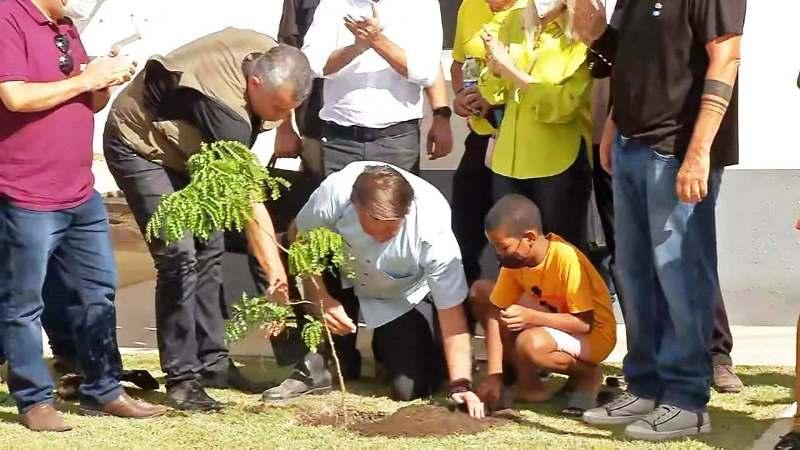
x=364, y=134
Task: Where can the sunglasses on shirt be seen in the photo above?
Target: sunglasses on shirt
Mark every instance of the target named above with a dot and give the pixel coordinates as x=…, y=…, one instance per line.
x=65, y=61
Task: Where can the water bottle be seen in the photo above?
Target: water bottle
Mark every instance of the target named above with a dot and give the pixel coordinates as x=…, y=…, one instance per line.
x=470, y=71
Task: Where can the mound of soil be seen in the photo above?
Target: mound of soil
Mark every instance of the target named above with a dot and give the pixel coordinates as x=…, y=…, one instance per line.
x=427, y=421
x=337, y=417
x=410, y=421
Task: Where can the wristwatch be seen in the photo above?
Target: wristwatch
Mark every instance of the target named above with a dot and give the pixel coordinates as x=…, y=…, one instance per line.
x=443, y=111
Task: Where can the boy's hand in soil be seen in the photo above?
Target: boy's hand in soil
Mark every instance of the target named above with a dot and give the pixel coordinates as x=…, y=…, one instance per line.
x=336, y=317
x=491, y=389
x=472, y=402
x=518, y=318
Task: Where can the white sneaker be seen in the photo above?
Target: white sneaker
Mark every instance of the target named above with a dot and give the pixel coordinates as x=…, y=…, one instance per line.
x=669, y=422
x=625, y=409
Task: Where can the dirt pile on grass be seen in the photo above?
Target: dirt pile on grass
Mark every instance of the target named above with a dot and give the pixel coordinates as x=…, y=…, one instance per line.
x=410, y=421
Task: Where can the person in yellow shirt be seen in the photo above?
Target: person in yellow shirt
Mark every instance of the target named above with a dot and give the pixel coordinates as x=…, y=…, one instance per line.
x=550, y=309
x=472, y=194
x=539, y=72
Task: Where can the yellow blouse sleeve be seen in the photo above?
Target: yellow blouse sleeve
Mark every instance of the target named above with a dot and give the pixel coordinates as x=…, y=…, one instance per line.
x=561, y=83
x=493, y=88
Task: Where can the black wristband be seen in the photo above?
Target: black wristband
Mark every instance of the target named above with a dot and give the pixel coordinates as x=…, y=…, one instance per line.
x=460, y=386
x=443, y=111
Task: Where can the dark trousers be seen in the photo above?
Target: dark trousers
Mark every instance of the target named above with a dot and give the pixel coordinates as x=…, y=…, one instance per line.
x=189, y=307
x=77, y=241
x=340, y=148
x=722, y=339
x=409, y=348
x=472, y=199
x=563, y=199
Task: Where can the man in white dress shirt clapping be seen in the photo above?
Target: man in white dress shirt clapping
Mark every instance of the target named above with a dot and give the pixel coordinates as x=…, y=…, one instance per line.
x=377, y=58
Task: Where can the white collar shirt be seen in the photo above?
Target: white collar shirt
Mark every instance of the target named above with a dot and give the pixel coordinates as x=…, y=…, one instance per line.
x=392, y=277
x=368, y=92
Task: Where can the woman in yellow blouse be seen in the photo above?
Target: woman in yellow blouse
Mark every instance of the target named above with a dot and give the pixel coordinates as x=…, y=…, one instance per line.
x=539, y=72
x=472, y=194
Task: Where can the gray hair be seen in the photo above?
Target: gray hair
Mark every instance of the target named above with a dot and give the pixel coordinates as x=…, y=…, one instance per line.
x=284, y=64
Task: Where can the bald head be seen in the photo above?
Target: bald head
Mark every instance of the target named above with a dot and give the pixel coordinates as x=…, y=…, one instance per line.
x=514, y=214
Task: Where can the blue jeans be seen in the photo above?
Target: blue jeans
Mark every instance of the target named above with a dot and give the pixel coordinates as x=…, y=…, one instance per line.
x=667, y=258
x=78, y=241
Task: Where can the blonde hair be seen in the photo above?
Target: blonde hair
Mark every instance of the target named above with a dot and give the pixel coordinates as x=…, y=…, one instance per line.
x=533, y=24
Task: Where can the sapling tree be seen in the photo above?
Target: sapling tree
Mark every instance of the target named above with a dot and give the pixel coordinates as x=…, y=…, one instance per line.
x=226, y=180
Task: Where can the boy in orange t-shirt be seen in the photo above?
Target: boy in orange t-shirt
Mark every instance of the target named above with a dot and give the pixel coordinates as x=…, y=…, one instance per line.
x=549, y=309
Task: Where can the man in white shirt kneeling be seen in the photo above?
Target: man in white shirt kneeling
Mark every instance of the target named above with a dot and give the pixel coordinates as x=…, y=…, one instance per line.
x=409, y=282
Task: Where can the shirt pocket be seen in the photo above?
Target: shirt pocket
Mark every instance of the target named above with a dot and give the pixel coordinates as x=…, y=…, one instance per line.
x=398, y=276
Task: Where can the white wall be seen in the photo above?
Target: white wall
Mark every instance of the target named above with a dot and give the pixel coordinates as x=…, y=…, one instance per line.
x=769, y=113
x=164, y=26
x=769, y=109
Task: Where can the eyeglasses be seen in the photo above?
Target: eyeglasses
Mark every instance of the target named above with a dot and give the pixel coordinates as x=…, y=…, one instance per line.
x=65, y=61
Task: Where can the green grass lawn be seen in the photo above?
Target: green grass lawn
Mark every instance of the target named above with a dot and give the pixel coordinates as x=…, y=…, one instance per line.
x=738, y=420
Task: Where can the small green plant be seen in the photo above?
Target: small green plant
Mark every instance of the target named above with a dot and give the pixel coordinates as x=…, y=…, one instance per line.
x=311, y=254
x=257, y=311
x=226, y=180
x=318, y=250
x=272, y=318
x=312, y=334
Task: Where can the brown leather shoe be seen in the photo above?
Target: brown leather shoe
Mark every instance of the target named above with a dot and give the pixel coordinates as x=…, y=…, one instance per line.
x=725, y=380
x=43, y=417
x=125, y=407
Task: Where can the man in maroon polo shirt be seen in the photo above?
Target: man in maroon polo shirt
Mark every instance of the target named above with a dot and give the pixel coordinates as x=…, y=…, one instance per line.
x=49, y=211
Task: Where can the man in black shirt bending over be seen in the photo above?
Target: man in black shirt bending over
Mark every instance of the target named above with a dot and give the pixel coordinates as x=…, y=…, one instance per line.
x=229, y=85
x=674, y=67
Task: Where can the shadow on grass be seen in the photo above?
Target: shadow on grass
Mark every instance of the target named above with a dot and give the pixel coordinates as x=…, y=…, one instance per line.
x=737, y=421
x=764, y=378
x=11, y=418
x=153, y=397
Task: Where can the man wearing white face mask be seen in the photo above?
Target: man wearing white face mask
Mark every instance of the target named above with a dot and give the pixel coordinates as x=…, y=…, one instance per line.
x=50, y=214
x=80, y=10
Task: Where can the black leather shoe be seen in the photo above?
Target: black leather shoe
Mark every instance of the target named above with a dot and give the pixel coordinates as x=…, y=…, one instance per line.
x=790, y=441
x=67, y=386
x=292, y=388
x=232, y=378
x=140, y=378
x=190, y=396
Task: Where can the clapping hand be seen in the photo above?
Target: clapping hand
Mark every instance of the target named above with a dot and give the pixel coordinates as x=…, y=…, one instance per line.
x=497, y=57
x=589, y=19
x=366, y=29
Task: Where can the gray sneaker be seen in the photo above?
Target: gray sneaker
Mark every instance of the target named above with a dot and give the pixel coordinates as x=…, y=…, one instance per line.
x=669, y=422
x=625, y=409
x=291, y=389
